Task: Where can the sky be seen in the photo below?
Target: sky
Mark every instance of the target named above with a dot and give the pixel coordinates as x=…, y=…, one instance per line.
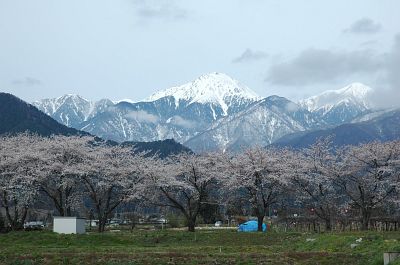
x=121, y=49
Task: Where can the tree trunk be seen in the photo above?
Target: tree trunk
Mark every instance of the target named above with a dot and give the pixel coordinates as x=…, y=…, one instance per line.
x=191, y=224
x=16, y=219
x=328, y=225
x=260, y=223
x=366, y=215
x=102, y=225
x=69, y=212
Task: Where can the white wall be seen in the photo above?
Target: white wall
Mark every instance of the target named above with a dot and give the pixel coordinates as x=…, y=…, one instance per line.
x=69, y=225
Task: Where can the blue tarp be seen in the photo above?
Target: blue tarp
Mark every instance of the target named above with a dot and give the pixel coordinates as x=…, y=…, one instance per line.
x=251, y=226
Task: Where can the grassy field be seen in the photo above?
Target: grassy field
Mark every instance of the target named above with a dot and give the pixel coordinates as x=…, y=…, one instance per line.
x=202, y=247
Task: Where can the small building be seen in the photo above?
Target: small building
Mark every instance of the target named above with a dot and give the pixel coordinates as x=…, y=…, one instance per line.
x=69, y=225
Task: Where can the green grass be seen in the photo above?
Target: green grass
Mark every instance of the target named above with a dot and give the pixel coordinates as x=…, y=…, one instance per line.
x=202, y=247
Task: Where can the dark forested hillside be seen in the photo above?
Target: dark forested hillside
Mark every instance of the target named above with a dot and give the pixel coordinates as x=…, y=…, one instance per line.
x=18, y=116
x=161, y=148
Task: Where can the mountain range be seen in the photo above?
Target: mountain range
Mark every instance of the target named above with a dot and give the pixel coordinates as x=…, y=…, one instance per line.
x=213, y=112
x=384, y=127
x=17, y=116
x=180, y=112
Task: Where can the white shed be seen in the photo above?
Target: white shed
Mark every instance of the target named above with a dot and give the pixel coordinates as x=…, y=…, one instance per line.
x=69, y=225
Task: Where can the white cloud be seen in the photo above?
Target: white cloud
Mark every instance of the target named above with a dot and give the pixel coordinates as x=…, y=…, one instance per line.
x=142, y=116
x=178, y=120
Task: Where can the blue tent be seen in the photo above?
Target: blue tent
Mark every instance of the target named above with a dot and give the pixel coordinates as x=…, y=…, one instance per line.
x=251, y=226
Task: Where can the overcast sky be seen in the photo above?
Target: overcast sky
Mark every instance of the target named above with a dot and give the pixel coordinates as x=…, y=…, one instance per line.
x=131, y=48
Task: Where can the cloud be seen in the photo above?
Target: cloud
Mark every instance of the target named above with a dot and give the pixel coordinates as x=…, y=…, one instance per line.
x=313, y=66
x=393, y=64
x=364, y=26
x=159, y=9
x=179, y=121
x=142, y=116
x=292, y=107
x=317, y=66
x=390, y=82
x=387, y=88
x=249, y=56
x=27, y=81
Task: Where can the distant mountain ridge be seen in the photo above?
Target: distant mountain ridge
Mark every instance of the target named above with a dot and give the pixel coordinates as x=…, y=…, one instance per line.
x=260, y=124
x=384, y=127
x=71, y=110
x=17, y=116
x=179, y=112
x=213, y=112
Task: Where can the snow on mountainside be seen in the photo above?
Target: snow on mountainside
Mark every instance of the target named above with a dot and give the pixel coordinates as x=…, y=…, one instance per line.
x=342, y=105
x=260, y=124
x=179, y=112
x=356, y=93
x=213, y=112
x=51, y=105
x=214, y=88
x=71, y=110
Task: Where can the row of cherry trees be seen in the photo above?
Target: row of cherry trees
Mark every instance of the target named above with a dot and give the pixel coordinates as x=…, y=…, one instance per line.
x=68, y=172
x=83, y=172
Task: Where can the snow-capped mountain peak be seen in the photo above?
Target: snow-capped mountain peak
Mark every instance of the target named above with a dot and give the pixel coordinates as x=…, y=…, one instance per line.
x=355, y=93
x=356, y=90
x=51, y=105
x=341, y=105
x=215, y=88
x=210, y=113
x=71, y=109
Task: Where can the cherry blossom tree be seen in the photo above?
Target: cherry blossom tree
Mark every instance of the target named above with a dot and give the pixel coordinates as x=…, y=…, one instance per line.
x=369, y=176
x=314, y=186
x=111, y=177
x=260, y=176
x=59, y=181
x=19, y=167
x=182, y=182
